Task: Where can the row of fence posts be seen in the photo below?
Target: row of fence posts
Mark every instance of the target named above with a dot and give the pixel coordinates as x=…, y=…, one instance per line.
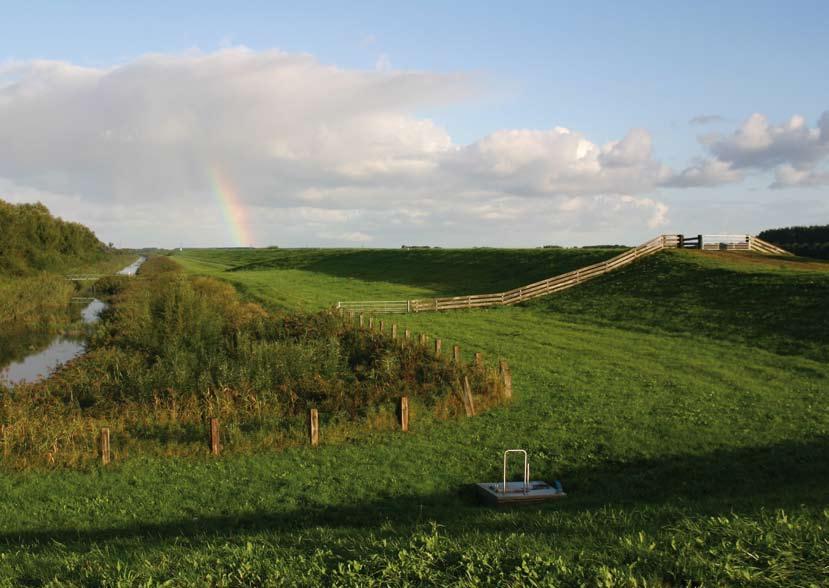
x=465, y=389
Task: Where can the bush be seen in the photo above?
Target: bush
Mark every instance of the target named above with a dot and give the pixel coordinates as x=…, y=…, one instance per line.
x=174, y=350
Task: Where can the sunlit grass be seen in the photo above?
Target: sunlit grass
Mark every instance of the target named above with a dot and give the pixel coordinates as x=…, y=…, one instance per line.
x=693, y=441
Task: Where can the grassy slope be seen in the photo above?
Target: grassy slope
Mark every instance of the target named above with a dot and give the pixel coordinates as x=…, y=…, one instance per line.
x=655, y=425
x=316, y=278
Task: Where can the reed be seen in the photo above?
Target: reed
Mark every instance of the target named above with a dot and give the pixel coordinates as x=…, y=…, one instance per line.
x=173, y=352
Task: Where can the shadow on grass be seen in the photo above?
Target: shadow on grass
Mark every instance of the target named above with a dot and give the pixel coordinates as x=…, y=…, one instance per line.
x=674, y=292
x=787, y=475
x=449, y=272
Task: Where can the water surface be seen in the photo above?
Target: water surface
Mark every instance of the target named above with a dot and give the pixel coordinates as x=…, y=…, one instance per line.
x=61, y=349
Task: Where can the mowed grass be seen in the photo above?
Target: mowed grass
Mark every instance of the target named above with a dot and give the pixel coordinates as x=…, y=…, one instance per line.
x=681, y=401
x=311, y=279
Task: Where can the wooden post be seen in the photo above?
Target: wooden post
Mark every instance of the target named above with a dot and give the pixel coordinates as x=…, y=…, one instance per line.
x=680, y=243
x=314, y=427
x=361, y=321
x=104, y=446
x=382, y=326
x=371, y=323
x=215, y=447
x=506, y=378
x=423, y=339
x=394, y=331
x=699, y=241
x=407, y=334
x=404, y=414
x=438, y=344
x=456, y=354
x=468, y=405
x=479, y=359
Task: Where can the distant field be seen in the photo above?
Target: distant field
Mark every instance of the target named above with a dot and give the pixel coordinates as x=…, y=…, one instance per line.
x=682, y=401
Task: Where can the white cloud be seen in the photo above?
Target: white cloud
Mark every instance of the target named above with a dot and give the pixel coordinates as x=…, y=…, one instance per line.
x=383, y=63
x=558, y=162
x=793, y=150
x=759, y=144
x=705, y=172
x=787, y=176
x=308, y=148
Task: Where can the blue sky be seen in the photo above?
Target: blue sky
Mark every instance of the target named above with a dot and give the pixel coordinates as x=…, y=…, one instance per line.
x=599, y=69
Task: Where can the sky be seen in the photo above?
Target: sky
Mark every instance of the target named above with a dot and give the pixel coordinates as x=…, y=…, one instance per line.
x=376, y=124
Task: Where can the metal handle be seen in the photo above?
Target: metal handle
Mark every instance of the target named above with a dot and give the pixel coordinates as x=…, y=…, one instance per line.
x=526, y=469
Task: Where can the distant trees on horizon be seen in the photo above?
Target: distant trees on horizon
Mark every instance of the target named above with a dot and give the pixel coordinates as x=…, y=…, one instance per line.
x=808, y=241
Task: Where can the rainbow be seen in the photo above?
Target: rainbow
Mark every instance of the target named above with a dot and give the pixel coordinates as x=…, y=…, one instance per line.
x=233, y=210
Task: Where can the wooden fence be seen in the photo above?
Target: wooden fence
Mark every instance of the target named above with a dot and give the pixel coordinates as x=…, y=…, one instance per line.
x=569, y=279
x=497, y=384
x=757, y=244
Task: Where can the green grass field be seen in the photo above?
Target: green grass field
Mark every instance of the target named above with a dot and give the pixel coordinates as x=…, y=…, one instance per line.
x=681, y=401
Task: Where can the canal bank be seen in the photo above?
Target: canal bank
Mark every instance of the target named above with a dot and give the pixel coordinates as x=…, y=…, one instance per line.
x=42, y=353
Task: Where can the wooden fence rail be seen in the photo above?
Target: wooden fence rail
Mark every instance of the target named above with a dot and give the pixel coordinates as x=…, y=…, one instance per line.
x=569, y=279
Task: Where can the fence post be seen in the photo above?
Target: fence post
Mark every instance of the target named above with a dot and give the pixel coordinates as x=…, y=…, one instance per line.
x=4, y=433
x=314, y=427
x=382, y=325
x=371, y=323
x=456, y=354
x=215, y=447
x=438, y=344
x=407, y=334
x=104, y=446
x=468, y=405
x=394, y=331
x=404, y=414
x=361, y=320
x=506, y=378
x=699, y=241
x=479, y=359
x=680, y=241
x=423, y=339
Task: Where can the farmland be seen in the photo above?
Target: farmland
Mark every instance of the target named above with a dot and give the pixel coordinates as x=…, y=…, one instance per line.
x=681, y=400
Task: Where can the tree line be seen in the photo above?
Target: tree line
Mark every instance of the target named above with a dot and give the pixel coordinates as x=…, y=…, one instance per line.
x=811, y=241
x=32, y=240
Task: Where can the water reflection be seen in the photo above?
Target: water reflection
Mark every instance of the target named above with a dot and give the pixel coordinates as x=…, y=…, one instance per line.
x=92, y=311
x=132, y=268
x=27, y=358
x=58, y=352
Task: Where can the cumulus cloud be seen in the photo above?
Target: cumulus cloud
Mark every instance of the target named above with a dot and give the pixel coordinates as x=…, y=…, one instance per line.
x=705, y=173
x=759, y=144
x=786, y=176
x=792, y=149
x=338, y=153
x=557, y=162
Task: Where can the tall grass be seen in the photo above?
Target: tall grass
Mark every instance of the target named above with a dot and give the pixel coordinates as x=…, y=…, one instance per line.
x=36, y=302
x=174, y=350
